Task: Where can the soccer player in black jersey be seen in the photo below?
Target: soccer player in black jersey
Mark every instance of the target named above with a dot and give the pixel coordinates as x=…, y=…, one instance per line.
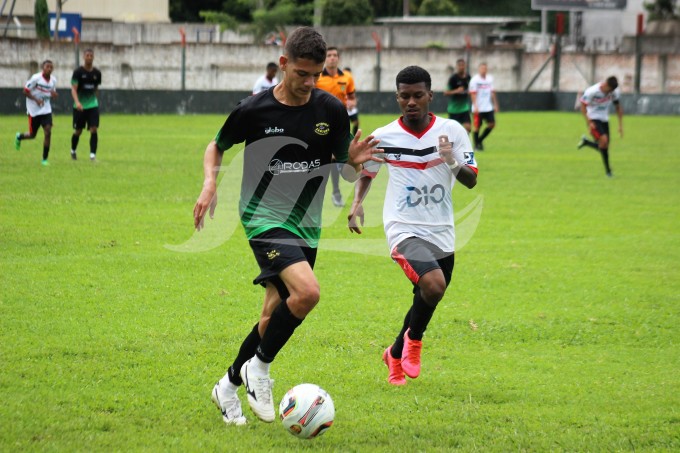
x=84, y=89
x=458, y=106
x=291, y=133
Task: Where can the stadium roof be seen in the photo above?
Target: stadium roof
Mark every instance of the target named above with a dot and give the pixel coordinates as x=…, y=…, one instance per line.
x=457, y=20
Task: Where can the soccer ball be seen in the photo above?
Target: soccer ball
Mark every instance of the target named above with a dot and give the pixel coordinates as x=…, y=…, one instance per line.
x=307, y=411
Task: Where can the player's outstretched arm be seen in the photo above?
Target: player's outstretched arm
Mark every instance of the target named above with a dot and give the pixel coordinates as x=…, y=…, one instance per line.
x=207, y=200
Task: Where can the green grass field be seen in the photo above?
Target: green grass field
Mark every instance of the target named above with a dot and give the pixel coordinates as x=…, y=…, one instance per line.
x=559, y=332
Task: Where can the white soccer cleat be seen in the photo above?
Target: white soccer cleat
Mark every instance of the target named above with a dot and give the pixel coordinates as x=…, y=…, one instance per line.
x=230, y=406
x=259, y=390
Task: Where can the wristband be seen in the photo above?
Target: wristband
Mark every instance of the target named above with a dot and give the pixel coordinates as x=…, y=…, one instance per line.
x=454, y=165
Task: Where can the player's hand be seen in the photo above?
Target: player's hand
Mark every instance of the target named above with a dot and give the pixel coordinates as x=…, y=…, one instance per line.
x=207, y=201
x=364, y=150
x=356, y=211
x=445, y=149
x=351, y=103
x=40, y=102
x=79, y=106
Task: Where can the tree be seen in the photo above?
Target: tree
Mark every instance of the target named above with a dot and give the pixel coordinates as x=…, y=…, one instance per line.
x=661, y=9
x=437, y=8
x=347, y=12
x=41, y=18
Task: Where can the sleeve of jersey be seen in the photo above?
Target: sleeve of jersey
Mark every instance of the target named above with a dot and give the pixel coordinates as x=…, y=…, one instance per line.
x=473, y=86
x=343, y=137
x=350, y=86
x=29, y=85
x=74, y=78
x=232, y=131
x=462, y=149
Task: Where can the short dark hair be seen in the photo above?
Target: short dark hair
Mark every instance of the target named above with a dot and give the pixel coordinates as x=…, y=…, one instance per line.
x=89, y=49
x=272, y=65
x=333, y=48
x=414, y=74
x=612, y=82
x=460, y=60
x=45, y=62
x=305, y=42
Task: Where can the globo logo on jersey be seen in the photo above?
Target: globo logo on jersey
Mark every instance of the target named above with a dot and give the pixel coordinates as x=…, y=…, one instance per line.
x=278, y=167
x=425, y=195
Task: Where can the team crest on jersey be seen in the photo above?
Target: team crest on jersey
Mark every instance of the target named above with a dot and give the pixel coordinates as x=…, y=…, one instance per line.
x=322, y=129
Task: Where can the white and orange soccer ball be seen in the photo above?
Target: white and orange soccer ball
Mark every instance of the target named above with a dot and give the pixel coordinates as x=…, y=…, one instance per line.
x=307, y=411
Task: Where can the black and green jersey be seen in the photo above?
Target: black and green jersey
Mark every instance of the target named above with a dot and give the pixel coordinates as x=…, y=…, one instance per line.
x=87, y=83
x=286, y=160
x=459, y=103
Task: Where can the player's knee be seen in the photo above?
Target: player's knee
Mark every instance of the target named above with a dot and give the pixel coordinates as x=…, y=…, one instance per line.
x=93, y=130
x=604, y=141
x=490, y=125
x=77, y=132
x=304, y=299
x=432, y=289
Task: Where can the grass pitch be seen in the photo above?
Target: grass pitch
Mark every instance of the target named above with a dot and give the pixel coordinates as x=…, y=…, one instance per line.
x=559, y=332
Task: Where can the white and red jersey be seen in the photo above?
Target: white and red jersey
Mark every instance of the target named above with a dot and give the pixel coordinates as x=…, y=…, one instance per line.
x=264, y=83
x=597, y=102
x=418, y=200
x=40, y=88
x=482, y=87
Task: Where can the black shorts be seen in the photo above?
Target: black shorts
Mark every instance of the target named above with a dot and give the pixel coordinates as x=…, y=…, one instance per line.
x=461, y=118
x=417, y=257
x=275, y=250
x=87, y=116
x=599, y=128
x=34, y=122
x=489, y=117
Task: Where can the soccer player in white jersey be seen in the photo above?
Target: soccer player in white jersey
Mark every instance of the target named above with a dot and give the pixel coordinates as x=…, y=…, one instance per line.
x=425, y=155
x=484, y=105
x=39, y=89
x=595, y=104
x=268, y=80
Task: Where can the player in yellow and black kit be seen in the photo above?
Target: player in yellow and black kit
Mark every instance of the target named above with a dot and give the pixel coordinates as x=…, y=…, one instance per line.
x=84, y=89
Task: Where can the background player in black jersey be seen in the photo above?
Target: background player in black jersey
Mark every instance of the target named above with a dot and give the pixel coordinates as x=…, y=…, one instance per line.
x=291, y=133
x=84, y=89
x=458, y=106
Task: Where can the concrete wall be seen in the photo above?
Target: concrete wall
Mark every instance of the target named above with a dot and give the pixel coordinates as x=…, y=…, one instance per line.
x=12, y=101
x=234, y=67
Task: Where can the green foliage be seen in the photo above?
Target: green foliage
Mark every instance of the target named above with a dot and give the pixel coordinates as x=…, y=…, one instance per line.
x=347, y=12
x=42, y=21
x=224, y=20
x=559, y=331
x=661, y=9
x=437, y=8
x=280, y=14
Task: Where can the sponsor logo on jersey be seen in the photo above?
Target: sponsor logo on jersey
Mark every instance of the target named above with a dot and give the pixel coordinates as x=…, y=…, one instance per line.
x=322, y=129
x=273, y=130
x=278, y=167
x=273, y=254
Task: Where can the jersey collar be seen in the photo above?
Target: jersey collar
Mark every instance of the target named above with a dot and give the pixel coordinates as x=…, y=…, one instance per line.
x=418, y=135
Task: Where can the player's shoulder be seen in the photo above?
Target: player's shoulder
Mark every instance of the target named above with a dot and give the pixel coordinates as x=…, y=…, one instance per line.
x=322, y=96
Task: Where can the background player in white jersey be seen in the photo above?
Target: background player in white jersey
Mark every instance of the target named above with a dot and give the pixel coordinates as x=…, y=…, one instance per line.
x=39, y=89
x=484, y=105
x=268, y=79
x=595, y=103
x=425, y=155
